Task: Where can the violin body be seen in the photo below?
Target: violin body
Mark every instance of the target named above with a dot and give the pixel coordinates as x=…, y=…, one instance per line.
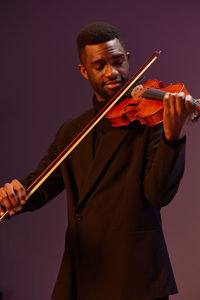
x=148, y=111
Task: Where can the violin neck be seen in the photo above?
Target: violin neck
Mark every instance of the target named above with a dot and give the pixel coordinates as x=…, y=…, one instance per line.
x=154, y=94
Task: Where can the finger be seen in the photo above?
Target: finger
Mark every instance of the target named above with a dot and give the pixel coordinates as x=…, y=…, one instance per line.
x=172, y=103
x=19, y=188
x=166, y=103
x=189, y=104
x=6, y=202
x=180, y=104
x=12, y=196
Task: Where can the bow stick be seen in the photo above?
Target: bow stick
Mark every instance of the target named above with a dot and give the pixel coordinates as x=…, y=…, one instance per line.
x=61, y=157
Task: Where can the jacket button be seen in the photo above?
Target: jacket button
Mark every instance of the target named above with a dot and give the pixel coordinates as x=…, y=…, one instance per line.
x=77, y=216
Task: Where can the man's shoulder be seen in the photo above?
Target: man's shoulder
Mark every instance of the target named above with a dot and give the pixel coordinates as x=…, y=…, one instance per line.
x=77, y=124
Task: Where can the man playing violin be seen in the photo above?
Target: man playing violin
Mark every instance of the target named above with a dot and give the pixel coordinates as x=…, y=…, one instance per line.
x=117, y=180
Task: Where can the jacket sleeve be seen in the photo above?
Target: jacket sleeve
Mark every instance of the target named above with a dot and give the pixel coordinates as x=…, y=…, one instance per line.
x=51, y=187
x=164, y=167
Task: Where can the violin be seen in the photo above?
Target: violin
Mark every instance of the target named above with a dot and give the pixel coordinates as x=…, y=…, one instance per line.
x=145, y=104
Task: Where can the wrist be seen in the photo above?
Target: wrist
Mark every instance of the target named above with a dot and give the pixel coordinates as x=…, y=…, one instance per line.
x=174, y=143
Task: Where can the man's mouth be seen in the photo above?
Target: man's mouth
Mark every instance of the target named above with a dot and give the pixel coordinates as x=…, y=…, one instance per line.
x=113, y=84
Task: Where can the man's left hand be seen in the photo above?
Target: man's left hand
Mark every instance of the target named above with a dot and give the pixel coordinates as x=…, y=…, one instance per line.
x=178, y=111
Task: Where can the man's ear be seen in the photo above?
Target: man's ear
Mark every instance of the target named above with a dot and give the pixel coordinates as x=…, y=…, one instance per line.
x=83, y=71
x=128, y=55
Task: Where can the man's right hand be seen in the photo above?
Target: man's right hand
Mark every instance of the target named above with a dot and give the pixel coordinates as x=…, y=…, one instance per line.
x=12, y=197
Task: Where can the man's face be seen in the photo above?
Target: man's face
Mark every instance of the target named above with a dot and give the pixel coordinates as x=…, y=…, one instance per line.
x=106, y=66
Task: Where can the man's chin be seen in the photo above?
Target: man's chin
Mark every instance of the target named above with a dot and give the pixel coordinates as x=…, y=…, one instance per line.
x=111, y=93
x=107, y=95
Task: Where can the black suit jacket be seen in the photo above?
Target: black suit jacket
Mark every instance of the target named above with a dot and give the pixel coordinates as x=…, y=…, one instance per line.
x=115, y=248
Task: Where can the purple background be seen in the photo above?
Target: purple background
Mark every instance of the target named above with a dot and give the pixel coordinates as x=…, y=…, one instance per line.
x=40, y=87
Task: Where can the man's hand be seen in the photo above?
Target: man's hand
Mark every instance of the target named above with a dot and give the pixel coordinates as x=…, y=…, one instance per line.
x=178, y=111
x=12, y=197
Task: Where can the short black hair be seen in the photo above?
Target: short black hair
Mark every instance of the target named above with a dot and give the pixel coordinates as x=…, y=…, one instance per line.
x=97, y=33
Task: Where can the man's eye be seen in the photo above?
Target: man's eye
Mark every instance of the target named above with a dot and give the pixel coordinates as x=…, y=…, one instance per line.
x=118, y=62
x=99, y=67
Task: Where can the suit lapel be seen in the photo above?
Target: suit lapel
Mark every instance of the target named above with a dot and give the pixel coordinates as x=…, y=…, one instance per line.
x=84, y=153
x=109, y=144
x=90, y=166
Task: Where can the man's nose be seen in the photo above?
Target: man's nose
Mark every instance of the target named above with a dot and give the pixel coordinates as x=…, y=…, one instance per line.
x=111, y=71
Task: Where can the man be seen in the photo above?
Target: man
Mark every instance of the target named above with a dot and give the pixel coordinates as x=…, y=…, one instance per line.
x=117, y=180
